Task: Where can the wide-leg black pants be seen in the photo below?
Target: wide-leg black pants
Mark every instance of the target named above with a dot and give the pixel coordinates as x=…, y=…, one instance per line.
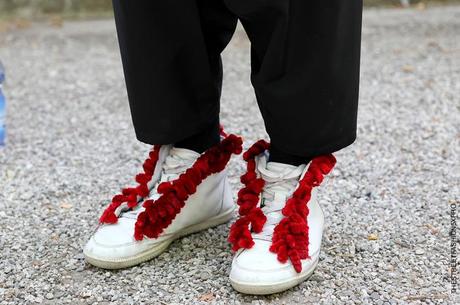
x=304, y=58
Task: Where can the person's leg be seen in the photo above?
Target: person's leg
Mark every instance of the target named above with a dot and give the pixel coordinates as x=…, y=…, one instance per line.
x=171, y=59
x=305, y=71
x=218, y=25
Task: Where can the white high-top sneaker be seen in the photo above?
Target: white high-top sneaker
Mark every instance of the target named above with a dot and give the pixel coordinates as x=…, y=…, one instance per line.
x=278, y=235
x=181, y=192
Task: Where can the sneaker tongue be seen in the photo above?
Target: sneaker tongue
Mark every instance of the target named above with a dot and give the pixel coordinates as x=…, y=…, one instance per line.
x=276, y=167
x=280, y=181
x=178, y=160
x=276, y=171
x=183, y=153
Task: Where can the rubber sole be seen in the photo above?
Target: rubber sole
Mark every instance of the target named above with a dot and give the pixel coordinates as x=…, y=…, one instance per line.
x=160, y=247
x=271, y=288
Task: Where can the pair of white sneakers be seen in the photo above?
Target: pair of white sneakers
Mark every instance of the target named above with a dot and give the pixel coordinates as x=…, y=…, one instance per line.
x=276, y=239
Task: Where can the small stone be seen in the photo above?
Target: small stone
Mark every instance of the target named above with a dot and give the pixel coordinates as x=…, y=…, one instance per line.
x=408, y=68
x=375, y=295
x=205, y=275
x=372, y=237
x=316, y=278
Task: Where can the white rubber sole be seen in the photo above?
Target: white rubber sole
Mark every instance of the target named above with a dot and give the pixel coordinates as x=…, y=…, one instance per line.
x=271, y=288
x=160, y=247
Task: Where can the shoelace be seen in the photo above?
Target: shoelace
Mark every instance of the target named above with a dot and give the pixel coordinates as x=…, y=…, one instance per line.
x=177, y=161
x=278, y=188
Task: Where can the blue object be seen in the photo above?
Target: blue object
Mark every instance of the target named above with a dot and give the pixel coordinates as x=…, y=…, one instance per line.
x=2, y=107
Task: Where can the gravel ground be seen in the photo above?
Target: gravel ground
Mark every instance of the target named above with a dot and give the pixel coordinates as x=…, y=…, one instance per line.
x=71, y=146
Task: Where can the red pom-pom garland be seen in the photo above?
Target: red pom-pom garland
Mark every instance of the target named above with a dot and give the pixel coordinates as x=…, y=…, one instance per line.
x=248, y=198
x=132, y=196
x=290, y=236
x=159, y=213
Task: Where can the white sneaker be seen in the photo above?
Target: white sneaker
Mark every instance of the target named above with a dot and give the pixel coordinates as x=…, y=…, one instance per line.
x=278, y=235
x=188, y=192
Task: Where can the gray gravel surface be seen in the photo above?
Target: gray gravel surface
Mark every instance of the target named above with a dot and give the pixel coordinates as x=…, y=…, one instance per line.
x=71, y=146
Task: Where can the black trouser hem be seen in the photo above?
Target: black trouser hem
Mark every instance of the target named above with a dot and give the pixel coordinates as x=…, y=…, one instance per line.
x=312, y=152
x=174, y=135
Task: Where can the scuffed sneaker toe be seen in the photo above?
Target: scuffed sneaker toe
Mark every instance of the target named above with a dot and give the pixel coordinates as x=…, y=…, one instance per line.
x=113, y=246
x=258, y=271
x=111, y=241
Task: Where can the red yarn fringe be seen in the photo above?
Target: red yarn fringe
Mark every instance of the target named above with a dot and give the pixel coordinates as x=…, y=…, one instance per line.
x=159, y=213
x=290, y=237
x=134, y=194
x=222, y=131
x=248, y=198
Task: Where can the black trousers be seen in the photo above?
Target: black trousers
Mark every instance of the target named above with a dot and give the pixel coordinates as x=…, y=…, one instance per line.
x=304, y=59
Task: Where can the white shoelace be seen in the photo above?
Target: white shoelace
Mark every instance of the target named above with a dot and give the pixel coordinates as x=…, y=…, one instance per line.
x=177, y=161
x=279, y=186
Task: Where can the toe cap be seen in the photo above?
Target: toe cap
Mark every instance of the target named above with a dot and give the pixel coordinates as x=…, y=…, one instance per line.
x=260, y=266
x=114, y=242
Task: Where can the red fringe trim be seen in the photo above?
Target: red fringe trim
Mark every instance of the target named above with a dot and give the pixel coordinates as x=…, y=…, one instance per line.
x=248, y=198
x=290, y=237
x=222, y=131
x=130, y=195
x=159, y=213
